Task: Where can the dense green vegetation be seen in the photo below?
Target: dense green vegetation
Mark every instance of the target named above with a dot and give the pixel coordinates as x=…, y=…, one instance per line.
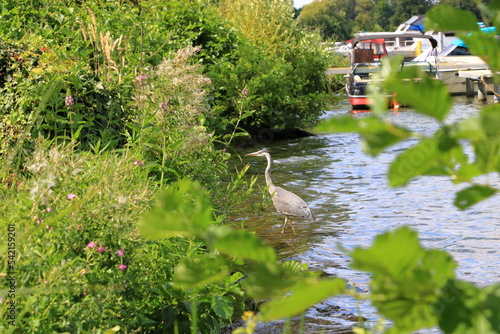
x=116, y=122
x=339, y=20
x=105, y=104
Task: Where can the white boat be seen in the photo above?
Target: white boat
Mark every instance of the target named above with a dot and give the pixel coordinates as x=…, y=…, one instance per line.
x=452, y=60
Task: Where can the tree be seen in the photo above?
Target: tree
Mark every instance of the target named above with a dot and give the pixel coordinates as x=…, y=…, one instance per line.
x=364, y=15
x=383, y=10
x=330, y=17
x=470, y=5
x=405, y=9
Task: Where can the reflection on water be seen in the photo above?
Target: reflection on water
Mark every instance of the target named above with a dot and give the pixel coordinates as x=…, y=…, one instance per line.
x=348, y=193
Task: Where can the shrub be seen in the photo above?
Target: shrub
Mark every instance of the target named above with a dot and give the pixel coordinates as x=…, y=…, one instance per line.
x=80, y=264
x=282, y=75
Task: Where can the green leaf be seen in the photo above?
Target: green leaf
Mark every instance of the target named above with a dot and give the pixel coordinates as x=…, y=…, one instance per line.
x=447, y=18
x=490, y=120
x=379, y=134
x=198, y=271
x=469, y=128
x=428, y=96
x=406, y=279
x=413, y=162
x=242, y=244
x=458, y=308
x=472, y=195
x=464, y=308
x=377, y=90
x=484, y=45
x=303, y=296
x=222, y=306
x=115, y=329
x=491, y=306
x=269, y=279
x=183, y=209
x=393, y=253
x=487, y=155
x=339, y=124
x=467, y=172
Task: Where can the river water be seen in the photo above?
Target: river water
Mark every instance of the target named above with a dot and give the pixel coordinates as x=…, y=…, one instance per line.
x=349, y=195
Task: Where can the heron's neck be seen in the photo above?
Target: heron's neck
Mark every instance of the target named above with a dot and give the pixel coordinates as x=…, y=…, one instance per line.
x=269, y=182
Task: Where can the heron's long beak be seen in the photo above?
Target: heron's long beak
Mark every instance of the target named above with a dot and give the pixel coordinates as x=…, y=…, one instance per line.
x=252, y=154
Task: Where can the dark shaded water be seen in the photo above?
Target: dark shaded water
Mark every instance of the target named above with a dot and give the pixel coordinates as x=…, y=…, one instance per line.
x=348, y=192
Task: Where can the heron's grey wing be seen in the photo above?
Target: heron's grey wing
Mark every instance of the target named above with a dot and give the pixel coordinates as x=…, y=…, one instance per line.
x=290, y=204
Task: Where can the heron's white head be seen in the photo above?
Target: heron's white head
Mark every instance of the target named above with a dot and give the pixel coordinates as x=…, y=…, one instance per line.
x=261, y=153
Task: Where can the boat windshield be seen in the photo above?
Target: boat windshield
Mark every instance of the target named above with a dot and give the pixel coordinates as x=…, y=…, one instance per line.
x=366, y=69
x=423, y=65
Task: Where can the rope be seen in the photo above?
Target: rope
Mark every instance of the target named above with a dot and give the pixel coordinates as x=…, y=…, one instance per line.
x=338, y=91
x=488, y=86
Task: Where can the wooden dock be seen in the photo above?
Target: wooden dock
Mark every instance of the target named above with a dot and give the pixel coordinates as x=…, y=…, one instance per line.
x=338, y=70
x=483, y=78
x=485, y=84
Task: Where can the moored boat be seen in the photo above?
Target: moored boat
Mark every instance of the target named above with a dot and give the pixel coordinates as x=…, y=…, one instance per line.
x=361, y=76
x=367, y=50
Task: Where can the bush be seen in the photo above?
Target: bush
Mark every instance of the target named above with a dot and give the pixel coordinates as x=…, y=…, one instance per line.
x=81, y=265
x=256, y=90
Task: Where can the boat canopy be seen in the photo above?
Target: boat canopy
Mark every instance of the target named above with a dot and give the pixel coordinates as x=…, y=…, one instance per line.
x=361, y=37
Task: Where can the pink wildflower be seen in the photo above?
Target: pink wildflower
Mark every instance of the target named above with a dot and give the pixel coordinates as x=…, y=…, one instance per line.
x=101, y=249
x=139, y=162
x=71, y=196
x=91, y=245
x=120, y=252
x=69, y=101
x=164, y=106
x=122, y=267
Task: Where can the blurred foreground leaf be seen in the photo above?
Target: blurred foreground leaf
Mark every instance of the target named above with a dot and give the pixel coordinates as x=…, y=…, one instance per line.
x=198, y=271
x=413, y=162
x=268, y=280
x=183, y=209
x=407, y=280
x=243, y=245
x=464, y=308
x=415, y=88
x=448, y=18
x=302, y=297
x=377, y=133
x=386, y=255
x=472, y=195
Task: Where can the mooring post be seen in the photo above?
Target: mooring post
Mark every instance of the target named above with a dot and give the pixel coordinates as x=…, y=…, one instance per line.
x=469, y=87
x=481, y=90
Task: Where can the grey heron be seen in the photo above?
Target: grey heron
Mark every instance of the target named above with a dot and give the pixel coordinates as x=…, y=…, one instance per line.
x=284, y=201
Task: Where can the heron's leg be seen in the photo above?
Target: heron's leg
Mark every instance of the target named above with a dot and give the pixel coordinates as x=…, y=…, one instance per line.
x=293, y=228
x=284, y=225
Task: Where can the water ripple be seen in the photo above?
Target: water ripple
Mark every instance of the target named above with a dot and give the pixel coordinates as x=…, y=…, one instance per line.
x=348, y=192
